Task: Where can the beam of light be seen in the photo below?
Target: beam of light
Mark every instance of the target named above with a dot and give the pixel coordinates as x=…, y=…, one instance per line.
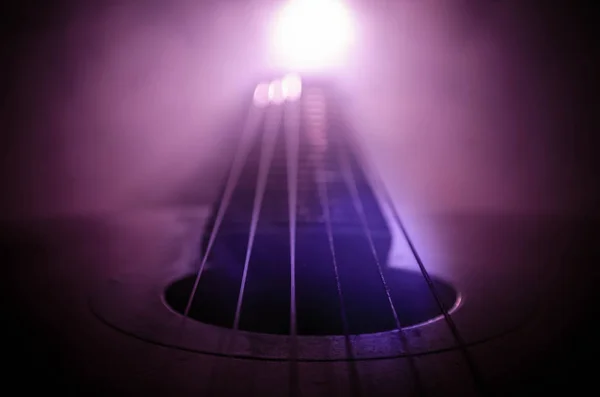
x=311, y=34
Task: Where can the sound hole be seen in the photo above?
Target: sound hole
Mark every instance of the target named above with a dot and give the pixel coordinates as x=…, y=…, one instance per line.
x=303, y=213
x=266, y=303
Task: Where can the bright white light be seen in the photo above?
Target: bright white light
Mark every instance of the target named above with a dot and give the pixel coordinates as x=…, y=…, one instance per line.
x=312, y=34
x=277, y=91
x=276, y=94
x=292, y=87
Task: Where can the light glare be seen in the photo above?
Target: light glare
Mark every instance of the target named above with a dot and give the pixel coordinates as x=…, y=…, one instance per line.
x=261, y=95
x=289, y=88
x=292, y=87
x=312, y=34
x=276, y=94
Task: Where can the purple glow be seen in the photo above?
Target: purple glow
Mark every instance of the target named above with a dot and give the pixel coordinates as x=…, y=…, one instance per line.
x=457, y=112
x=118, y=122
x=311, y=34
x=292, y=86
x=261, y=95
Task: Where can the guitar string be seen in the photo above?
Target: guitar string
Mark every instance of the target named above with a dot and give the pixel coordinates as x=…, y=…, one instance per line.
x=292, y=188
x=292, y=150
x=269, y=138
x=350, y=181
x=480, y=385
x=266, y=156
x=255, y=116
x=251, y=124
x=322, y=187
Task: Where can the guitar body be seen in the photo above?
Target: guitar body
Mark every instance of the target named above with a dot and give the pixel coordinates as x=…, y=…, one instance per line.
x=102, y=299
